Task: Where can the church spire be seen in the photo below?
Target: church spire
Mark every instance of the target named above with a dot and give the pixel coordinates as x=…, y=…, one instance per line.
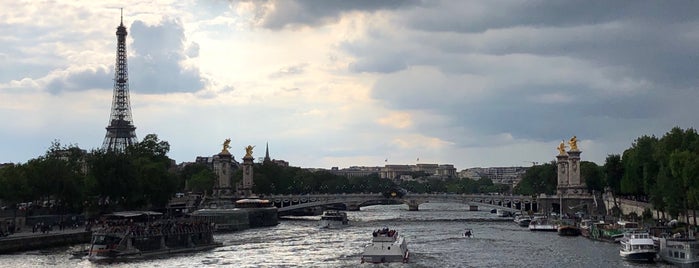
x=267, y=159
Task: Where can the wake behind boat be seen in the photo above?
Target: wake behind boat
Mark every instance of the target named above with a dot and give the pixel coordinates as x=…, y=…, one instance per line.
x=138, y=234
x=333, y=219
x=386, y=246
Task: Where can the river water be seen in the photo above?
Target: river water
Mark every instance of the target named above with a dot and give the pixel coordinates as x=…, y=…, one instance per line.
x=434, y=236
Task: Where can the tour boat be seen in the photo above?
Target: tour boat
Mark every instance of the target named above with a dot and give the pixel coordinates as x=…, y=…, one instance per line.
x=542, y=224
x=637, y=245
x=138, y=234
x=386, y=246
x=333, y=219
x=680, y=250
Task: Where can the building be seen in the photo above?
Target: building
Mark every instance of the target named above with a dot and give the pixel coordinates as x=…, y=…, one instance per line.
x=355, y=171
x=499, y=175
x=393, y=172
x=267, y=159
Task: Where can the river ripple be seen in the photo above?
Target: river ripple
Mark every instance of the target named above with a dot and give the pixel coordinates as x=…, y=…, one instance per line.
x=434, y=236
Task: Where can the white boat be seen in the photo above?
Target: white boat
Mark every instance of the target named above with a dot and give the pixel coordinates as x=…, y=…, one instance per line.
x=386, y=246
x=503, y=213
x=637, y=245
x=542, y=224
x=333, y=219
x=523, y=220
x=680, y=250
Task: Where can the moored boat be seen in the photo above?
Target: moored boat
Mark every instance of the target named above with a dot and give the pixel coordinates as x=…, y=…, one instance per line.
x=567, y=227
x=637, y=245
x=584, y=227
x=503, y=213
x=542, y=224
x=680, y=250
x=333, y=219
x=606, y=232
x=523, y=220
x=386, y=246
x=138, y=234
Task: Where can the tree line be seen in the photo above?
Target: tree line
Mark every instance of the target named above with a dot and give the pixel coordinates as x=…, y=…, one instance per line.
x=72, y=180
x=663, y=171
x=66, y=179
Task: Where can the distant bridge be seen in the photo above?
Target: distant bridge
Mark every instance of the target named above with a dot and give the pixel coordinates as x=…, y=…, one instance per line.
x=287, y=203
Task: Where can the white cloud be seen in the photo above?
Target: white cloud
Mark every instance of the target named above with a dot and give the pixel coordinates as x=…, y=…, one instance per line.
x=343, y=83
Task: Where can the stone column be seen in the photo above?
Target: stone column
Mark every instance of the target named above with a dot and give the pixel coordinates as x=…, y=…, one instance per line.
x=563, y=173
x=222, y=168
x=245, y=187
x=574, y=172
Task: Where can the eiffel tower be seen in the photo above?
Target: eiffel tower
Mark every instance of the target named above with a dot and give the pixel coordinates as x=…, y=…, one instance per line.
x=121, y=132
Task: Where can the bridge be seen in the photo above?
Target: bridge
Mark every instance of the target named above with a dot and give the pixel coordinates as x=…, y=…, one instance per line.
x=287, y=203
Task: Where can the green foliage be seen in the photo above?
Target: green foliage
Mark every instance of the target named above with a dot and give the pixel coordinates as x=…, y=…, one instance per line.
x=640, y=168
x=593, y=176
x=538, y=179
x=613, y=172
x=196, y=177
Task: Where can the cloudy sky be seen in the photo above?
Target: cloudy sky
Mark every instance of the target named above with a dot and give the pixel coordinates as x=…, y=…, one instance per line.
x=341, y=83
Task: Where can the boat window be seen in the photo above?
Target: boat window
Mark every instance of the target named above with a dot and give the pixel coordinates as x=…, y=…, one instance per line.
x=105, y=240
x=682, y=255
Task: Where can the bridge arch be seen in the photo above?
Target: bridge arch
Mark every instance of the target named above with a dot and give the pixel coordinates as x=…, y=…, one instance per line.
x=355, y=201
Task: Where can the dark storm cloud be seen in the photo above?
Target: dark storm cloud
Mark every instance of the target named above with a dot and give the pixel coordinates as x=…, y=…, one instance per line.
x=158, y=51
x=318, y=12
x=537, y=70
x=479, y=16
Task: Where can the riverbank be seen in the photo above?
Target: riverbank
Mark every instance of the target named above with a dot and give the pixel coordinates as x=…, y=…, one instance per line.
x=27, y=240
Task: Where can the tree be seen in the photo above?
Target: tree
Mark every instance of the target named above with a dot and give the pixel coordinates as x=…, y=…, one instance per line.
x=151, y=164
x=593, y=176
x=684, y=166
x=14, y=184
x=613, y=171
x=538, y=179
x=202, y=181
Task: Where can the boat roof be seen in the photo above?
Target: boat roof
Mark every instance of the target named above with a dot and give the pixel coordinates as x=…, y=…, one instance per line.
x=131, y=214
x=248, y=200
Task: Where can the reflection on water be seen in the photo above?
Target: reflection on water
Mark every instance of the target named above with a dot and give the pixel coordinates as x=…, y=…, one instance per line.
x=434, y=235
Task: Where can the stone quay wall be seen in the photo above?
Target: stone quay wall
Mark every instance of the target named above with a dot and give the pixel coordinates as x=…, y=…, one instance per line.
x=31, y=241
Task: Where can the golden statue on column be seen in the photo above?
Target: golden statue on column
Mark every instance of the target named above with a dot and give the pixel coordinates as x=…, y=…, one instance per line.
x=573, y=143
x=248, y=150
x=226, y=145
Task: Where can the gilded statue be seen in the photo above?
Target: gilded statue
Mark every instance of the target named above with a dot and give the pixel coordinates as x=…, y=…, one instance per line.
x=226, y=145
x=248, y=150
x=562, y=148
x=573, y=143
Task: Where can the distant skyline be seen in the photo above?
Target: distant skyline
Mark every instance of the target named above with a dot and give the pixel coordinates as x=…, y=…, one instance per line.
x=339, y=83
